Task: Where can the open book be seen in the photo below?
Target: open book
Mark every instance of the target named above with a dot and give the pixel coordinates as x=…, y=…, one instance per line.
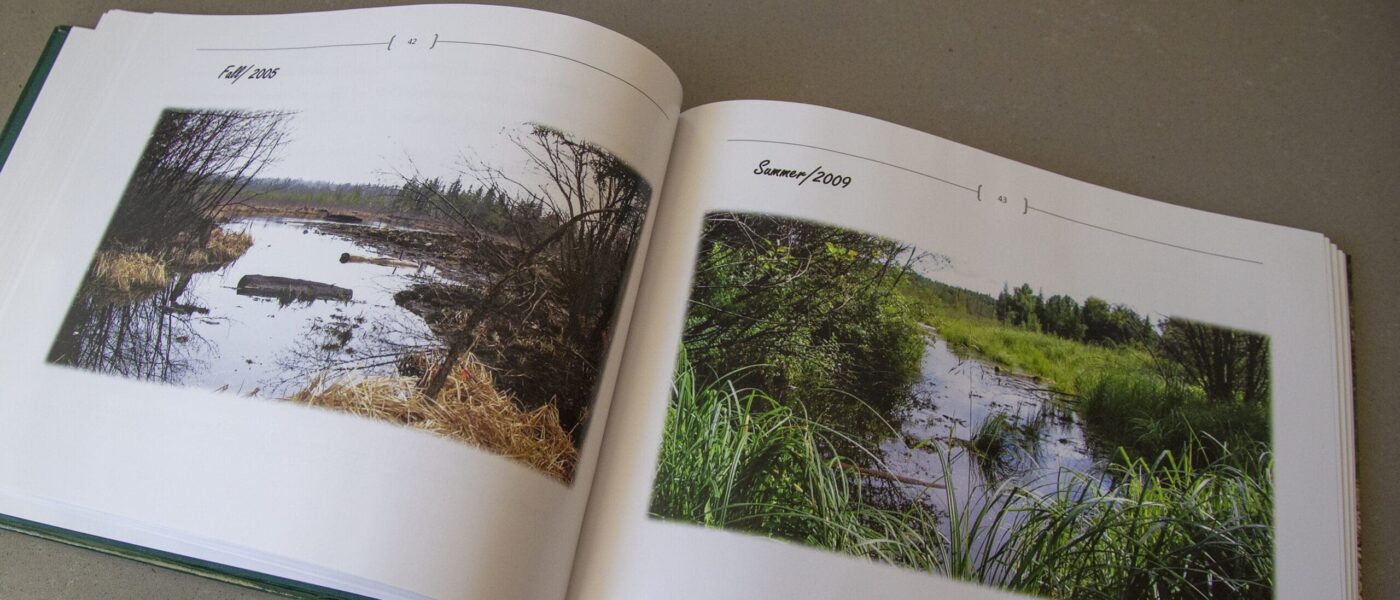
x=455, y=302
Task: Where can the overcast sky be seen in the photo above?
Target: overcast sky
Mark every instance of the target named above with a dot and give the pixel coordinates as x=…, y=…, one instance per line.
x=355, y=143
x=962, y=273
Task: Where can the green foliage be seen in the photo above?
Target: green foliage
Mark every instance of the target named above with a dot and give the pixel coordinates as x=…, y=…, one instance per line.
x=1064, y=363
x=927, y=297
x=804, y=340
x=812, y=306
x=1097, y=322
x=1021, y=307
x=486, y=208
x=1060, y=317
x=1128, y=397
x=1165, y=528
x=733, y=458
x=1228, y=365
x=1113, y=324
x=1144, y=414
x=996, y=444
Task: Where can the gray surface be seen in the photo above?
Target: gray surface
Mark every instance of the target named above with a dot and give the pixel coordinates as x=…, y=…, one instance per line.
x=1283, y=112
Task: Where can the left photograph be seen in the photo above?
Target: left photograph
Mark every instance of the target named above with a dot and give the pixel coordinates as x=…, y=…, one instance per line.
x=473, y=301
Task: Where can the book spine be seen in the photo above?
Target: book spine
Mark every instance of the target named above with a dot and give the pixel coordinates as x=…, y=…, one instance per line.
x=25, y=103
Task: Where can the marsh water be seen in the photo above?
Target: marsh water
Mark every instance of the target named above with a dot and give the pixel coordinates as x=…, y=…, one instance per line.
x=955, y=396
x=200, y=331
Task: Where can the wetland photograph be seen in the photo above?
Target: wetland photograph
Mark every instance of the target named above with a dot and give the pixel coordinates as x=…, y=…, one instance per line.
x=836, y=389
x=474, y=301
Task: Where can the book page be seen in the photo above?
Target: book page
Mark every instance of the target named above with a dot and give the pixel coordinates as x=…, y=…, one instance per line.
x=886, y=365
x=66, y=106
x=334, y=297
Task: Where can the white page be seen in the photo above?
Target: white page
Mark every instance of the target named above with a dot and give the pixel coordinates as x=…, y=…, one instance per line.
x=308, y=494
x=1059, y=235
x=63, y=115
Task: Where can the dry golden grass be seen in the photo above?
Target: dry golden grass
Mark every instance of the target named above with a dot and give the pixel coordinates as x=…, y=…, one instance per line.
x=227, y=245
x=222, y=248
x=469, y=409
x=122, y=272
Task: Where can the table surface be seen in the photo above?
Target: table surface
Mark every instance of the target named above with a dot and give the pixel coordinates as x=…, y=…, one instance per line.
x=1286, y=112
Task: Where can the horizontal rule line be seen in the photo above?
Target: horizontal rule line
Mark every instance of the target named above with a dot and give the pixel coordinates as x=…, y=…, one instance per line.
x=290, y=47
x=1145, y=239
x=874, y=160
x=570, y=59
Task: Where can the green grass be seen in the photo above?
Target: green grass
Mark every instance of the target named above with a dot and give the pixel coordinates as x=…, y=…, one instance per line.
x=1161, y=529
x=995, y=437
x=733, y=459
x=1125, y=402
x=1165, y=528
x=1065, y=364
x=1143, y=414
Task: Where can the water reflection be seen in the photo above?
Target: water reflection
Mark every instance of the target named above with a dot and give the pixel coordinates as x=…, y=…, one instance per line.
x=991, y=427
x=151, y=338
x=200, y=331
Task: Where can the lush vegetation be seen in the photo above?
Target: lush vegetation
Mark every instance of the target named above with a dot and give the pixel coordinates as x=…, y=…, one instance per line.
x=806, y=312
x=735, y=458
x=1140, y=388
x=1096, y=322
x=1062, y=364
x=800, y=348
x=1169, y=528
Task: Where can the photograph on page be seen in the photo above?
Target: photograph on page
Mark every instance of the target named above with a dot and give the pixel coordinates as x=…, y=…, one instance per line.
x=874, y=398
x=469, y=295
x=328, y=284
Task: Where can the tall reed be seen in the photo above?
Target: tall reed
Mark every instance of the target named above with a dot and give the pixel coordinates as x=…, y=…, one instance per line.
x=733, y=459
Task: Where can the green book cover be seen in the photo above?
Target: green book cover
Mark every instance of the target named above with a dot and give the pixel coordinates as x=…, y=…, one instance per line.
x=25, y=103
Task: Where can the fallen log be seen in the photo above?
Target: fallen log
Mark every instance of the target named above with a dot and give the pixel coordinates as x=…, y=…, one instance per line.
x=346, y=257
x=286, y=288
x=339, y=218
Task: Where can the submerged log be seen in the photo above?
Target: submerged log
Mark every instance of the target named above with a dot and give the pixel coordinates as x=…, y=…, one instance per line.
x=186, y=309
x=286, y=288
x=888, y=476
x=346, y=257
x=339, y=218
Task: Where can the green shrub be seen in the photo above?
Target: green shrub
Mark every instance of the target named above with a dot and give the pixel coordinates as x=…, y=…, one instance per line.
x=1144, y=415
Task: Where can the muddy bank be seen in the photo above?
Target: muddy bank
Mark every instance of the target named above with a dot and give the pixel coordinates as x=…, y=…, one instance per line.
x=527, y=351
x=528, y=341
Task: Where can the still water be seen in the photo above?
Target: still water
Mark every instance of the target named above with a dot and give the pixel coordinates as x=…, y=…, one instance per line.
x=199, y=331
x=954, y=397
